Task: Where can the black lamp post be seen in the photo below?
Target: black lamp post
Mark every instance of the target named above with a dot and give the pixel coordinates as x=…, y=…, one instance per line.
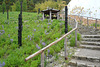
x=20, y=27
x=66, y=29
x=66, y=19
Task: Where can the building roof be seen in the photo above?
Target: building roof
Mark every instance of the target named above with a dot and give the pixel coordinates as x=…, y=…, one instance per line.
x=53, y=10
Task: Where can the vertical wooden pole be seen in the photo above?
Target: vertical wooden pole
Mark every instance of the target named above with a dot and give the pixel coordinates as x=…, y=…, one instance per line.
x=96, y=24
x=65, y=46
x=42, y=59
x=76, y=37
x=50, y=15
x=7, y=15
x=80, y=19
x=43, y=15
x=57, y=15
x=87, y=21
x=74, y=24
x=66, y=28
x=38, y=10
x=69, y=20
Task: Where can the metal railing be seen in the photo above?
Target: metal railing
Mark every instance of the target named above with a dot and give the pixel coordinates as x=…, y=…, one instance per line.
x=48, y=46
x=96, y=20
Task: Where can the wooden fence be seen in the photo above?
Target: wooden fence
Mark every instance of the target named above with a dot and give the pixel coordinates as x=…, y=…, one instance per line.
x=53, y=43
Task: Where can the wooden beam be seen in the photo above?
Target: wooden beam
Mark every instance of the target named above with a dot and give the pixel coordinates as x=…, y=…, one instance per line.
x=65, y=46
x=41, y=50
x=57, y=15
x=87, y=21
x=42, y=59
x=96, y=24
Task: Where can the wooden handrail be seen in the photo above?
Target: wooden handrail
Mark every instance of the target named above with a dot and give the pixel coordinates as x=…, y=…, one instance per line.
x=96, y=20
x=88, y=17
x=43, y=49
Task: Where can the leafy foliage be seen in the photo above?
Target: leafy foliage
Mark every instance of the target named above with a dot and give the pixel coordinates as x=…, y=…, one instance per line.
x=49, y=4
x=33, y=5
x=17, y=7
x=24, y=5
x=72, y=38
x=4, y=6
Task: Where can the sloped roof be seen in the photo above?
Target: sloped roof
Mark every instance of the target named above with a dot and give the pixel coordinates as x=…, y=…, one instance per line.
x=53, y=10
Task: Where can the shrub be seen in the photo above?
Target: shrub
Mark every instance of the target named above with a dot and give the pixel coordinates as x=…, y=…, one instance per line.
x=78, y=36
x=94, y=25
x=72, y=41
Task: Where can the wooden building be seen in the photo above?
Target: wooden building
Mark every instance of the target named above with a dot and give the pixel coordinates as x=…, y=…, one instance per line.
x=50, y=14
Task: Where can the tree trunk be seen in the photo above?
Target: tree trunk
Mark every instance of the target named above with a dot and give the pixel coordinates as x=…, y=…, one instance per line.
x=3, y=10
x=7, y=12
x=7, y=15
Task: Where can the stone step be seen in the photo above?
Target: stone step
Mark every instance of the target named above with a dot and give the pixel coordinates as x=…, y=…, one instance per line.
x=87, y=54
x=93, y=47
x=82, y=63
x=90, y=43
x=70, y=66
x=91, y=39
x=85, y=33
x=90, y=36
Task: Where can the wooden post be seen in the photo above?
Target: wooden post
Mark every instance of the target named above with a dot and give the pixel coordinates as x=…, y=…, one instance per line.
x=66, y=27
x=76, y=37
x=74, y=22
x=50, y=15
x=96, y=24
x=42, y=59
x=63, y=16
x=87, y=21
x=57, y=15
x=43, y=15
x=65, y=45
x=20, y=27
x=69, y=20
x=80, y=19
x=38, y=10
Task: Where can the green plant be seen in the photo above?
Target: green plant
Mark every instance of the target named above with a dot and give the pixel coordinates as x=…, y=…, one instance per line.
x=34, y=32
x=72, y=38
x=56, y=57
x=78, y=36
x=72, y=41
x=94, y=25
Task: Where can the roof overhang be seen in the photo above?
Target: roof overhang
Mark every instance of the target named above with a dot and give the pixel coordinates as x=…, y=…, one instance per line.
x=52, y=10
